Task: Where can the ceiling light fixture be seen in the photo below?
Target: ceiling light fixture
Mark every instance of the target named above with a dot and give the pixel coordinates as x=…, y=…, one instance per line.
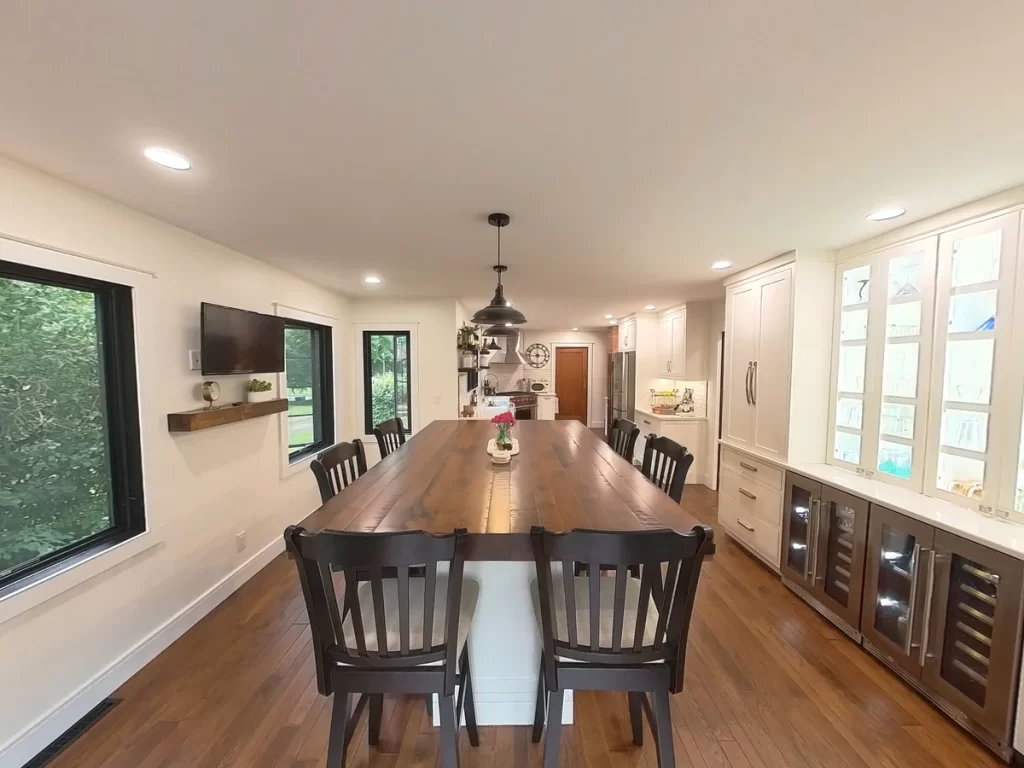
x=499, y=310
x=498, y=331
x=886, y=213
x=575, y=329
x=721, y=265
x=609, y=317
x=650, y=307
x=167, y=158
x=371, y=280
x=493, y=346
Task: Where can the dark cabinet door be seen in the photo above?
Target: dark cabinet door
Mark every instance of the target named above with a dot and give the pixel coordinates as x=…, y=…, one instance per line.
x=839, y=554
x=974, y=636
x=895, y=578
x=799, y=526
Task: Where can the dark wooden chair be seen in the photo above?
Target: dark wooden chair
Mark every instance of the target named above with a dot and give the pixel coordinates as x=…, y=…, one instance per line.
x=666, y=463
x=390, y=436
x=401, y=635
x=615, y=633
x=622, y=438
x=337, y=467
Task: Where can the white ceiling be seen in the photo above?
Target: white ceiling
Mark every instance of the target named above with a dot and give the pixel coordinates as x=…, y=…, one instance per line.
x=632, y=143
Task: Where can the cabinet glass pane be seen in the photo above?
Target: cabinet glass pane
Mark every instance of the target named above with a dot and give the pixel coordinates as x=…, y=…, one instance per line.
x=965, y=429
x=839, y=552
x=968, y=374
x=896, y=569
x=970, y=312
x=976, y=259
x=847, y=447
x=903, y=320
x=850, y=413
x=898, y=420
x=899, y=371
x=851, y=369
x=967, y=640
x=960, y=475
x=895, y=459
x=799, y=529
x=856, y=285
x=854, y=325
x=906, y=275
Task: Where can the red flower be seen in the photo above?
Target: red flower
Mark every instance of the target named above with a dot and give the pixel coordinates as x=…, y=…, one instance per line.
x=504, y=418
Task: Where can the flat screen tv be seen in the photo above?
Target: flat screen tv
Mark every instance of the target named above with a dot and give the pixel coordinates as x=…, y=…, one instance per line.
x=239, y=341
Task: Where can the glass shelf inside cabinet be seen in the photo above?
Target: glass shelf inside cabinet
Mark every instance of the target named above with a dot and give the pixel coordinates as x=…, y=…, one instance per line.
x=852, y=361
x=961, y=475
x=839, y=553
x=966, y=649
x=895, y=459
x=850, y=412
x=894, y=588
x=969, y=371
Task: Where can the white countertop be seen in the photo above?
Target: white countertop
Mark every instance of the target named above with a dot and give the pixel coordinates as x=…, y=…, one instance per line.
x=667, y=417
x=998, y=534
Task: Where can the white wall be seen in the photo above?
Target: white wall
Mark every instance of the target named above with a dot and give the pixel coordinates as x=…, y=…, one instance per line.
x=435, y=380
x=62, y=656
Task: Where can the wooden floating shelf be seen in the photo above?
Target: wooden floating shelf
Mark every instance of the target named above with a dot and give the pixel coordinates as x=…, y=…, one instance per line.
x=205, y=418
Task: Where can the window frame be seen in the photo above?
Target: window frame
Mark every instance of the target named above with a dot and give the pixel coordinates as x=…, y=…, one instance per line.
x=119, y=372
x=367, y=393
x=323, y=370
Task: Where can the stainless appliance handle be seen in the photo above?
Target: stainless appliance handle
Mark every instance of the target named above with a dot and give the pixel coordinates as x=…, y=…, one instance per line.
x=908, y=642
x=929, y=595
x=746, y=383
x=812, y=536
x=753, y=385
x=827, y=505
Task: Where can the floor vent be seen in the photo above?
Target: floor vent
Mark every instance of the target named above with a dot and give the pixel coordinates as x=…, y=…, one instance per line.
x=69, y=736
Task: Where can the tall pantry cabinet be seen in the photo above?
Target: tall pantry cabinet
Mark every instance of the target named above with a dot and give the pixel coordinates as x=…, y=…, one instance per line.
x=778, y=340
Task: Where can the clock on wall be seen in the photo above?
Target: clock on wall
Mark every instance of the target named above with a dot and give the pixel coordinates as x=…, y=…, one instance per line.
x=537, y=355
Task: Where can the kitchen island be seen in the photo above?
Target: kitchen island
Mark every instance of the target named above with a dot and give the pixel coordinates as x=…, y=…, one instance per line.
x=564, y=477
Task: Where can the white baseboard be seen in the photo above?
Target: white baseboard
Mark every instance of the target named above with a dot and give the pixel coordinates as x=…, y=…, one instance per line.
x=33, y=739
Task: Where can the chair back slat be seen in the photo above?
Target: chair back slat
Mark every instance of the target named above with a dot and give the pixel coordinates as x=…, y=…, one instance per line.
x=622, y=438
x=390, y=436
x=666, y=464
x=357, y=635
x=651, y=594
x=338, y=467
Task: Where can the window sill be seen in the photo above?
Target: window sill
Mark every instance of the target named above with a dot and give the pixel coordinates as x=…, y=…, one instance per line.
x=46, y=585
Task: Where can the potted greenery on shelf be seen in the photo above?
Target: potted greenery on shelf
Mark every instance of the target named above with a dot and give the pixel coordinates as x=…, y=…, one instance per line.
x=259, y=391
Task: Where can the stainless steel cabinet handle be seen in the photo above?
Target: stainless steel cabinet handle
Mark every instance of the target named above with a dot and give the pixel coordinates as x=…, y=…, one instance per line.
x=753, y=385
x=749, y=467
x=746, y=382
x=929, y=593
x=669, y=364
x=647, y=422
x=908, y=642
x=748, y=494
x=811, y=543
x=744, y=525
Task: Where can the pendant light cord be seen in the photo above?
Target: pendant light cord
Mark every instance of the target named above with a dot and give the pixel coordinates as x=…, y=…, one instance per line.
x=499, y=254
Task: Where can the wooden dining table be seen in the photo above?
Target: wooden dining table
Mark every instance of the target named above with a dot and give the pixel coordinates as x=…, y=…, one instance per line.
x=563, y=477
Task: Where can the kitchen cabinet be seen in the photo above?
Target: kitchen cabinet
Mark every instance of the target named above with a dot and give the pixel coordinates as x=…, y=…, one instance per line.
x=547, y=407
x=750, y=504
x=627, y=335
x=824, y=539
x=689, y=433
x=672, y=348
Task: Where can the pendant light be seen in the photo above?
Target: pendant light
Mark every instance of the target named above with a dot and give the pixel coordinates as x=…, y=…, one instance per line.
x=499, y=311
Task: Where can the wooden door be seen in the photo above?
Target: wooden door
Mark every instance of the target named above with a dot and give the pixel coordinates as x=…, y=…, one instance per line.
x=740, y=348
x=769, y=388
x=571, y=365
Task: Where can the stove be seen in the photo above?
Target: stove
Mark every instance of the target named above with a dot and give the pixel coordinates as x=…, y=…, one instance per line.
x=525, y=403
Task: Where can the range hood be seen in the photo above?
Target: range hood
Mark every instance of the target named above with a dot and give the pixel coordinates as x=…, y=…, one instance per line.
x=511, y=352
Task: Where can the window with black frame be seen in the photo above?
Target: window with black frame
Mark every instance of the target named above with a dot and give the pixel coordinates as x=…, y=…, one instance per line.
x=70, y=462
x=309, y=386
x=387, y=382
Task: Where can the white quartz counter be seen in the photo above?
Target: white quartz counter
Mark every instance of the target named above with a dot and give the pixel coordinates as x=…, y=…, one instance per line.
x=998, y=534
x=668, y=417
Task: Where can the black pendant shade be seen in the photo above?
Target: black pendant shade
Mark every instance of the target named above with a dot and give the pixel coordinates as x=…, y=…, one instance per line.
x=493, y=346
x=499, y=330
x=499, y=311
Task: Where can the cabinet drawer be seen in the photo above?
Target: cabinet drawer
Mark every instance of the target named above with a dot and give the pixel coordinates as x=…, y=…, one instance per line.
x=753, y=469
x=752, y=498
x=648, y=425
x=762, y=537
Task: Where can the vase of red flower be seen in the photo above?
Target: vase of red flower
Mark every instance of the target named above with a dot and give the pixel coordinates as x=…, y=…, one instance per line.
x=504, y=422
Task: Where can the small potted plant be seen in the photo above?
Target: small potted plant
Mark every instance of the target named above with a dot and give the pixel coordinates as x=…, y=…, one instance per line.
x=259, y=391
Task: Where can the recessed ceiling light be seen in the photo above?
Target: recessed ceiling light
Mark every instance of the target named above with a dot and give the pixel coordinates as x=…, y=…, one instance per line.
x=721, y=265
x=886, y=213
x=649, y=307
x=371, y=280
x=609, y=317
x=167, y=158
x=611, y=322
x=575, y=329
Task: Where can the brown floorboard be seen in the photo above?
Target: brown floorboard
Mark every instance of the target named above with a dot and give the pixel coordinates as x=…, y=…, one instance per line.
x=769, y=684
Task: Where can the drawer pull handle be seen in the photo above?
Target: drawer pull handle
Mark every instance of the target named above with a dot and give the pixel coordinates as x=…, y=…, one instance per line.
x=748, y=494
x=647, y=422
x=744, y=525
x=749, y=467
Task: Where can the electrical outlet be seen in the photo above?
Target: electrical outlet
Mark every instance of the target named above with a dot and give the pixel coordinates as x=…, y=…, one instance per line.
x=437, y=399
x=240, y=542
x=195, y=363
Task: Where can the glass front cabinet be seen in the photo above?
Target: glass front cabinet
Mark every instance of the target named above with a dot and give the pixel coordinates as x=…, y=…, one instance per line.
x=824, y=534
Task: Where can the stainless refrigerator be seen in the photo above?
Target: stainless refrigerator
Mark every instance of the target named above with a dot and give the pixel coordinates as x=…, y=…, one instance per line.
x=621, y=387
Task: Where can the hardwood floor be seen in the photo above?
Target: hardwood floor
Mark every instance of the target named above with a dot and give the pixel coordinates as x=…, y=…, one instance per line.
x=768, y=684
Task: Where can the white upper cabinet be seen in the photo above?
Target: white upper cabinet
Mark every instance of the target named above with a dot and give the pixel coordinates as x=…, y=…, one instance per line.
x=742, y=315
x=672, y=348
x=665, y=347
x=627, y=335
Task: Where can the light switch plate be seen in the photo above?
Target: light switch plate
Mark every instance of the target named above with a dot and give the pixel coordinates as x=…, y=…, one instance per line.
x=195, y=362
